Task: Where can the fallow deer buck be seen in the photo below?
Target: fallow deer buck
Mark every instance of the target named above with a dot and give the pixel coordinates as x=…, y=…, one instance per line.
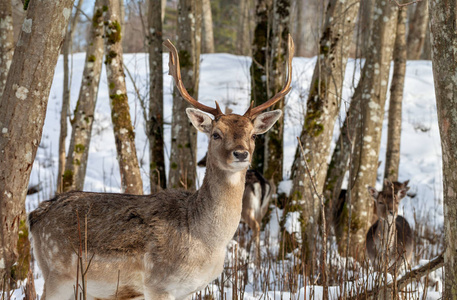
x=162, y=246
x=390, y=239
x=256, y=198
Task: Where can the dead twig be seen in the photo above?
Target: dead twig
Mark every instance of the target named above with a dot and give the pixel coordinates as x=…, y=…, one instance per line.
x=405, y=4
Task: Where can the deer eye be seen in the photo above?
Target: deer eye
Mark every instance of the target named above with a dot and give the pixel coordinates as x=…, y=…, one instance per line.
x=254, y=136
x=216, y=136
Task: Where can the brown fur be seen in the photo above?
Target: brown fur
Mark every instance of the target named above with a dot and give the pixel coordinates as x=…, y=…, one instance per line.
x=396, y=237
x=163, y=246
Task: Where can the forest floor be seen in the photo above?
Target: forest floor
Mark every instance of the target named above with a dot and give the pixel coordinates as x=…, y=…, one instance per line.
x=225, y=78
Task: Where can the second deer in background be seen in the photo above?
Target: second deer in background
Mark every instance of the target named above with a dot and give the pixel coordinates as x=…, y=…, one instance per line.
x=390, y=238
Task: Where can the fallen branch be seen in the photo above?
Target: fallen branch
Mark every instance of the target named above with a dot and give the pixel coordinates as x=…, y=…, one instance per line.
x=401, y=283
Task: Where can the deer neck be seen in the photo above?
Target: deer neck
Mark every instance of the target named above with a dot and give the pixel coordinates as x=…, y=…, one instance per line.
x=216, y=210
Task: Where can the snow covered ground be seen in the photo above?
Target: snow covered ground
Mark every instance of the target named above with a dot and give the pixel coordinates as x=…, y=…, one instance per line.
x=225, y=78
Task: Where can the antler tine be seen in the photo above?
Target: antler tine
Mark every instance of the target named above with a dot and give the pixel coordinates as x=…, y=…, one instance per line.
x=175, y=72
x=251, y=112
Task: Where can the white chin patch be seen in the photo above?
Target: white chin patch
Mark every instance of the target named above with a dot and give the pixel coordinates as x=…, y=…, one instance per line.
x=240, y=165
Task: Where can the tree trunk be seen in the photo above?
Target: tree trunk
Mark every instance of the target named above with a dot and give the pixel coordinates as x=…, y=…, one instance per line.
x=259, y=74
x=64, y=113
x=444, y=62
x=323, y=106
x=120, y=112
x=339, y=165
x=157, y=176
x=299, y=32
x=273, y=160
x=368, y=132
x=366, y=24
x=7, y=44
x=122, y=13
x=183, y=157
x=417, y=31
x=163, y=8
x=208, y=38
x=396, y=98
x=78, y=152
x=22, y=114
x=243, y=36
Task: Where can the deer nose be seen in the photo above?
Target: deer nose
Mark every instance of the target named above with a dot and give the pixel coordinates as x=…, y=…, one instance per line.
x=240, y=155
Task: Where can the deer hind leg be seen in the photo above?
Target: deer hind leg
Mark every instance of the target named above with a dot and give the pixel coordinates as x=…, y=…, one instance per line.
x=255, y=227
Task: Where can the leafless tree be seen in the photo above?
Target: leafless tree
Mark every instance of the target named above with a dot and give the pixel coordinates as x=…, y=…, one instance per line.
x=157, y=176
x=444, y=61
x=78, y=152
x=64, y=113
x=280, y=19
x=323, y=105
x=375, y=75
x=120, y=112
x=243, y=36
x=395, y=102
x=183, y=158
x=258, y=70
x=208, y=38
x=417, y=30
x=27, y=86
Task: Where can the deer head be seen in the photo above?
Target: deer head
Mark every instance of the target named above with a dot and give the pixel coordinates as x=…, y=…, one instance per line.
x=388, y=200
x=231, y=136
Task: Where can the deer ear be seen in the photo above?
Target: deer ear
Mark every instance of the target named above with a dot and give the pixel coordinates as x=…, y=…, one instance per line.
x=402, y=193
x=200, y=120
x=373, y=192
x=264, y=121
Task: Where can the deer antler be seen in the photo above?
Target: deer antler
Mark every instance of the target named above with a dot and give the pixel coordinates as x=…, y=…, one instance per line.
x=252, y=111
x=175, y=72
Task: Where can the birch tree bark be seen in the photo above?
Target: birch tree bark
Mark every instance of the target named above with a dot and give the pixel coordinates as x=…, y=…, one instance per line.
x=273, y=159
x=395, y=102
x=157, y=176
x=120, y=112
x=7, y=41
x=323, y=106
x=22, y=114
x=78, y=152
x=444, y=62
x=64, y=113
x=183, y=157
x=338, y=165
x=417, y=31
x=208, y=37
x=368, y=132
x=258, y=70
